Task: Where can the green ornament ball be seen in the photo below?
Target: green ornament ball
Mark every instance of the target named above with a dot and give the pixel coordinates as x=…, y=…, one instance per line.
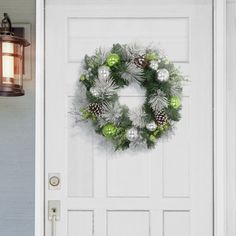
x=86, y=114
x=151, y=56
x=152, y=138
x=160, y=130
x=113, y=59
x=94, y=118
x=167, y=61
x=175, y=102
x=165, y=126
x=109, y=130
x=82, y=78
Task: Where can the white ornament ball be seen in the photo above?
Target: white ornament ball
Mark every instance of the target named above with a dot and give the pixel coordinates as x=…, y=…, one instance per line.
x=103, y=72
x=163, y=75
x=151, y=126
x=94, y=92
x=153, y=64
x=132, y=134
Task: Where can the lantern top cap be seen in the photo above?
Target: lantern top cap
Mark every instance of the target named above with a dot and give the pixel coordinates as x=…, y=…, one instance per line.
x=7, y=35
x=6, y=27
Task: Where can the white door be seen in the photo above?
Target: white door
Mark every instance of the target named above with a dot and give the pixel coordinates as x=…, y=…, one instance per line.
x=231, y=118
x=163, y=192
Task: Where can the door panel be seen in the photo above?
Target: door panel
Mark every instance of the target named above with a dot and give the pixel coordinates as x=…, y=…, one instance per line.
x=162, y=192
x=127, y=29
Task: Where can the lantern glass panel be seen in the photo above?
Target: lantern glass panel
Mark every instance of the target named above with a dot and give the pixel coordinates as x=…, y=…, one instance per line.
x=12, y=63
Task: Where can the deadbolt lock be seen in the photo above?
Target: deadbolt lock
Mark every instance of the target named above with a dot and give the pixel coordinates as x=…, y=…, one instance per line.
x=54, y=181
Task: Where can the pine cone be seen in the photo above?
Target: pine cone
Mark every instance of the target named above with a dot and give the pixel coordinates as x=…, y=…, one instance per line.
x=140, y=61
x=161, y=118
x=96, y=109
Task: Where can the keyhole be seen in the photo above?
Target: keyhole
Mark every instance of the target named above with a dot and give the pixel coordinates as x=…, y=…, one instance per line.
x=54, y=181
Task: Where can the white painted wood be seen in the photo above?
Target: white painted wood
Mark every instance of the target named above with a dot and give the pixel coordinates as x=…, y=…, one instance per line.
x=142, y=192
x=57, y=150
x=231, y=118
x=176, y=170
x=219, y=173
x=175, y=46
x=39, y=121
x=120, y=181
x=80, y=170
x=80, y=223
x=128, y=223
x=177, y=223
x=220, y=117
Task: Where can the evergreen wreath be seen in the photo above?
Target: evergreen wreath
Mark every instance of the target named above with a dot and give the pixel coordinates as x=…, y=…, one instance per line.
x=97, y=100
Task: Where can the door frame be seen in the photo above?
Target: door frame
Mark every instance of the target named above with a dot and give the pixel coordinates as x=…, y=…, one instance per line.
x=219, y=118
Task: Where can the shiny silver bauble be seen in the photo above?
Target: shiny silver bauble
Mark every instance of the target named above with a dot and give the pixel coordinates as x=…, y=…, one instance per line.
x=151, y=126
x=153, y=64
x=132, y=134
x=94, y=92
x=163, y=75
x=103, y=72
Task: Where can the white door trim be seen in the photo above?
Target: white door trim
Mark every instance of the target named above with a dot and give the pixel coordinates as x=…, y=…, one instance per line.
x=39, y=122
x=219, y=117
x=219, y=10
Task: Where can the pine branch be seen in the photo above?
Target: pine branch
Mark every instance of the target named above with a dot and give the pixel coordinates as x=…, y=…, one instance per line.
x=138, y=117
x=101, y=56
x=112, y=112
x=132, y=73
x=105, y=88
x=158, y=101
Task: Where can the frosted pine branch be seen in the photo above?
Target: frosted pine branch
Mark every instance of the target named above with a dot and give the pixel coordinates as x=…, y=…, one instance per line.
x=137, y=116
x=112, y=112
x=105, y=88
x=101, y=55
x=158, y=101
x=132, y=73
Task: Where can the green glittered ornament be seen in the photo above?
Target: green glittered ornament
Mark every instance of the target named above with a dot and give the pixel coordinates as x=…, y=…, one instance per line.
x=151, y=56
x=175, y=102
x=113, y=59
x=156, y=132
x=109, y=130
x=152, y=138
x=86, y=114
x=166, y=126
x=82, y=78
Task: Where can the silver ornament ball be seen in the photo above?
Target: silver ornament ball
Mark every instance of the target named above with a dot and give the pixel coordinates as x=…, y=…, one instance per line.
x=132, y=134
x=94, y=92
x=153, y=64
x=151, y=126
x=163, y=75
x=103, y=72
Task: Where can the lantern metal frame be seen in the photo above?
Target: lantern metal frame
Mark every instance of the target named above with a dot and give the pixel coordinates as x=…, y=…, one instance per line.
x=11, y=88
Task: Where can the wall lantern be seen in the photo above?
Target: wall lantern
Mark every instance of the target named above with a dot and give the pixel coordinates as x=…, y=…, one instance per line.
x=11, y=60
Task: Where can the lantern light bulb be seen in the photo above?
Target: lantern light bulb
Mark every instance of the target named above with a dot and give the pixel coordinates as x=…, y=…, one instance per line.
x=8, y=62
